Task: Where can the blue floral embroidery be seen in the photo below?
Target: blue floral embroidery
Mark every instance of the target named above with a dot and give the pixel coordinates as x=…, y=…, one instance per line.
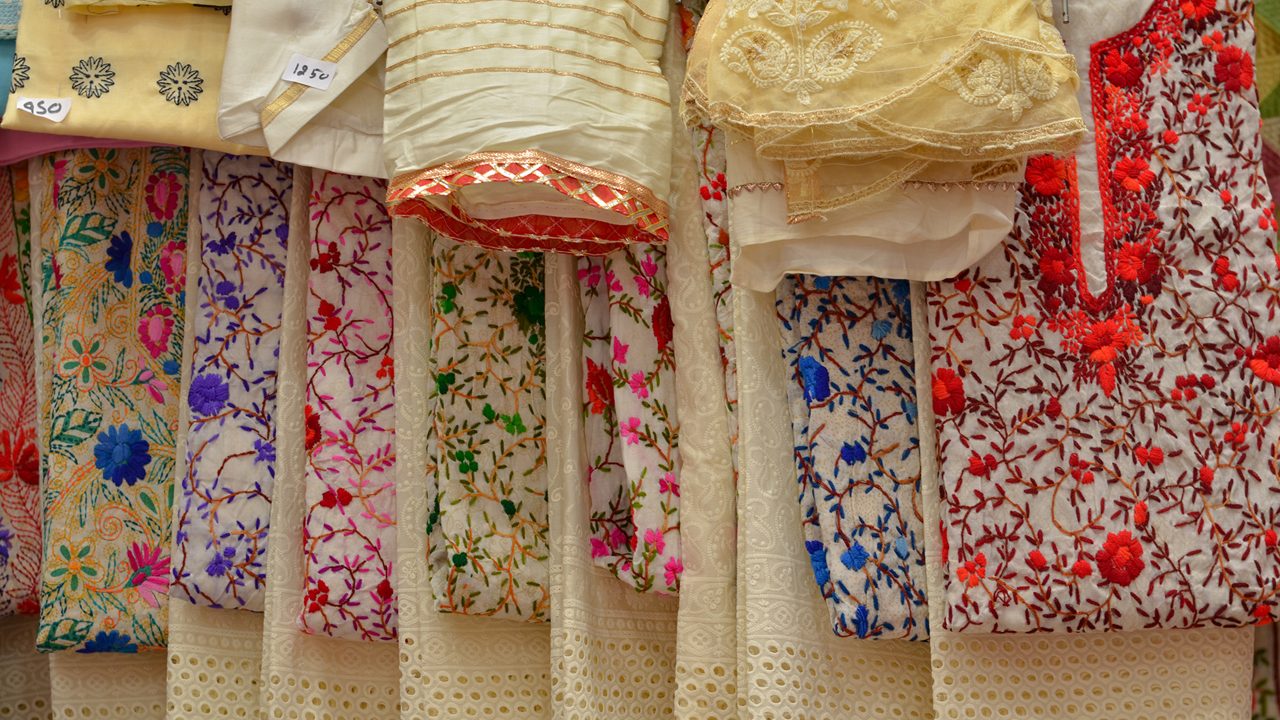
x=112, y=641
x=208, y=395
x=848, y=342
x=119, y=257
x=122, y=455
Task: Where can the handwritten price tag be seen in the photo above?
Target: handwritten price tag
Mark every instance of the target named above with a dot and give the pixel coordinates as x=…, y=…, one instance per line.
x=54, y=109
x=309, y=71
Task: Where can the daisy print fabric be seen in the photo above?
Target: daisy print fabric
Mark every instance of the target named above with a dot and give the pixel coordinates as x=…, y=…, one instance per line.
x=221, y=540
x=847, y=342
x=350, y=526
x=114, y=273
x=1107, y=439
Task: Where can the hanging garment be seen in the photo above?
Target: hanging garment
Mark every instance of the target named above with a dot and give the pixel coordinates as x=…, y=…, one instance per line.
x=225, y=508
x=853, y=408
x=332, y=679
x=146, y=74
x=1103, y=387
x=112, y=318
x=1266, y=673
x=488, y=522
x=455, y=653
x=336, y=127
x=921, y=230
x=349, y=530
x=629, y=411
x=585, y=168
x=25, y=671
x=20, y=523
x=857, y=99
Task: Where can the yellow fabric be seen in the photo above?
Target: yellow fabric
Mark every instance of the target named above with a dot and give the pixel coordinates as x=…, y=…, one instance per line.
x=104, y=7
x=146, y=74
x=858, y=97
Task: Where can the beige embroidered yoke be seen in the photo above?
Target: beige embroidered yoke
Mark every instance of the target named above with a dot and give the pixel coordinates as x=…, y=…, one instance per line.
x=858, y=96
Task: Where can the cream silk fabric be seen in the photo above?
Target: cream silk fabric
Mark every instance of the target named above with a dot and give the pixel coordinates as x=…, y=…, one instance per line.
x=925, y=231
x=149, y=74
x=338, y=129
x=529, y=125
x=857, y=98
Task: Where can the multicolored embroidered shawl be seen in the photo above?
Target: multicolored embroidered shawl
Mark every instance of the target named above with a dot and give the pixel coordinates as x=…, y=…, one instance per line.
x=112, y=320
x=19, y=460
x=630, y=417
x=1105, y=406
x=221, y=541
x=488, y=525
x=349, y=530
x=847, y=342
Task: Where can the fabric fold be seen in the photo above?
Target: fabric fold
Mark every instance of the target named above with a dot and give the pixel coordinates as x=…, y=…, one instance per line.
x=583, y=171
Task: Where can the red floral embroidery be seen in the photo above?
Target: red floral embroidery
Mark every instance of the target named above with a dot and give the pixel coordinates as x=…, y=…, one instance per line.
x=1131, y=428
x=1120, y=560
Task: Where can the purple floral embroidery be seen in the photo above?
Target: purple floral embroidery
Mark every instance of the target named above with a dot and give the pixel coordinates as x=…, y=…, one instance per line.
x=226, y=504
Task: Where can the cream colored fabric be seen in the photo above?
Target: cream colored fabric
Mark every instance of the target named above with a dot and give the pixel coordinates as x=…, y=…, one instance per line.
x=332, y=679
x=451, y=666
x=338, y=129
x=149, y=74
x=791, y=665
x=706, y=621
x=215, y=655
x=24, y=673
x=612, y=649
x=1203, y=674
x=858, y=97
x=920, y=231
x=572, y=86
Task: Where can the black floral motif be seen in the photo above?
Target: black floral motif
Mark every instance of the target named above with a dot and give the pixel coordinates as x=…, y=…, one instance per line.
x=21, y=73
x=180, y=84
x=92, y=77
x=55, y=3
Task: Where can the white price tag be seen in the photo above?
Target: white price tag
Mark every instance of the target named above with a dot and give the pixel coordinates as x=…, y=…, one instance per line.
x=54, y=109
x=309, y=71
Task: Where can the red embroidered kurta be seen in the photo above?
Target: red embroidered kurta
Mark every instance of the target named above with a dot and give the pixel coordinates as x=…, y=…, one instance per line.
x=1108, y=445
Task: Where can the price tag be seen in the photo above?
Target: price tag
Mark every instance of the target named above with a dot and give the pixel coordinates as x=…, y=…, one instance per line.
x=54, y=109
x=309, y=71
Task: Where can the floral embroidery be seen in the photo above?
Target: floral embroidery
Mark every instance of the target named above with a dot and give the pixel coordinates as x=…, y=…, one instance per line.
x=1103, y=448
x=630, y=423
x=92, y=77
x=180, y=84
x=821, y=52
x=109, y=413
x=489, y=551
x=221, y=541
x=848, y=341
x=21, y=74
x=1008, y=79
x=19, y=462
x=349, y=530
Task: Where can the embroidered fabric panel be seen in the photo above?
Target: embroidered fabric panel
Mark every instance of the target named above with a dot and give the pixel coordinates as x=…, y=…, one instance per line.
x=847, y=342
x=630, y=418
x=112, y=318
x=1104, y=450
x=19, y=460
x=645, y=222
x=221, y=540
x=349, y=529
x=488, y=547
